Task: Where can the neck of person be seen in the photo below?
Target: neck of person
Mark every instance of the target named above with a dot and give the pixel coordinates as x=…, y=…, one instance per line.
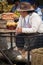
x=24, y=15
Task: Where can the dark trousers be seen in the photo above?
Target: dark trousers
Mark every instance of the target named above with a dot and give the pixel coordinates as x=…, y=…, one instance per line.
x=28, y=42
x=20, y=40
x=24, y=41
x=39, y=41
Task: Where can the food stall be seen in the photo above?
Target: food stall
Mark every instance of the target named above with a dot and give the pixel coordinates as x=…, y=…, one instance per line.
x=7, y=26
x=8, y=30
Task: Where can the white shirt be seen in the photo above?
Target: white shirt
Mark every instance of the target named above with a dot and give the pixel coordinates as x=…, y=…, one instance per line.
x=34, y=21
x=41, y=28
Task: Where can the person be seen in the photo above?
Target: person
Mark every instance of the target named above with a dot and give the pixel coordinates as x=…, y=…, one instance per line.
x=16, y=6
x=37, y=8
x=28, y=23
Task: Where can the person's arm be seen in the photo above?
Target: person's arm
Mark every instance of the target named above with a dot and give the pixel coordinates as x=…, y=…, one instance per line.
x=19, y=26
x=36, y=21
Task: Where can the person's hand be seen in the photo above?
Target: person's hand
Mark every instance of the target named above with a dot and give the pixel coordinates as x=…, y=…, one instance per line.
x=19, y=30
